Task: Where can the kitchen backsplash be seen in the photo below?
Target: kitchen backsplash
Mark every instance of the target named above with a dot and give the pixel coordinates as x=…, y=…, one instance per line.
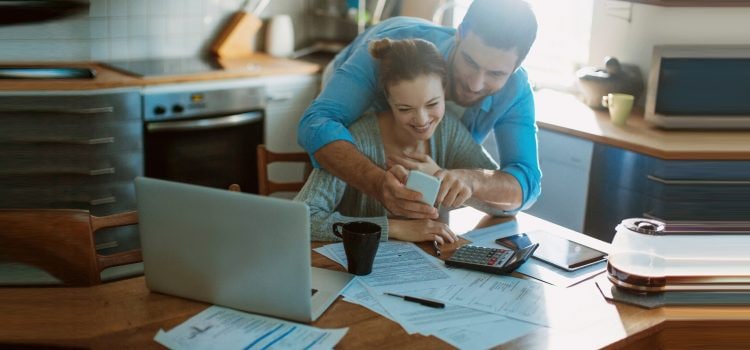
x=124, y=29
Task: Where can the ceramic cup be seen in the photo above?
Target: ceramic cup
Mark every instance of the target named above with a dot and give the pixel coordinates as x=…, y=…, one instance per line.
x=280, y=36
x=619, y=106
x=361, y=240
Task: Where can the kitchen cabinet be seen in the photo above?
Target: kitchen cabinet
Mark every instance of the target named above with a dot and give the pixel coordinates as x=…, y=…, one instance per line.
x=627, y=184
x=565, y=162
x=73, y=150
x=287, y=99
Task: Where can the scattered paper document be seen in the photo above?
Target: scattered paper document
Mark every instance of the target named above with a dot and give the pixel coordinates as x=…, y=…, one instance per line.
x=222, y=328
x=485, y=335
x=396, y=263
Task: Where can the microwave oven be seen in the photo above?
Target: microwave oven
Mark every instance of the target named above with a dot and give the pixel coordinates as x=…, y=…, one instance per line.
x=699, y=86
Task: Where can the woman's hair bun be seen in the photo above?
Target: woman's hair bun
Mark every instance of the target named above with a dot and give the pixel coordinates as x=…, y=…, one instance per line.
x=379, y=48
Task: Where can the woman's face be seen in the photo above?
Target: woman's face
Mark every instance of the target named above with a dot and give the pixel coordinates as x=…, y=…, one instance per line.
x=418, y=105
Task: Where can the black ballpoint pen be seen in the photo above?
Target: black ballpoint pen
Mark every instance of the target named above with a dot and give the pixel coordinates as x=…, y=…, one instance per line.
x=426, y=302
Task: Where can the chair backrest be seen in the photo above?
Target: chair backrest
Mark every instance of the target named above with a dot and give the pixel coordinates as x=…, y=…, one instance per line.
x=61, y=242
x=266, y=157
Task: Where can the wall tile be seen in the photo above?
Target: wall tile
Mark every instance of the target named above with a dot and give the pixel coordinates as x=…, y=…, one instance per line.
x=157, y=26
x=99, y=28
x=157, y=8
x=98, y=8
x=137, y=48
x=118, y=27
x=119, y=49
x=194, y=7
x=137, y=26
x=100, y=49
x=137, y=7
x=118, y=8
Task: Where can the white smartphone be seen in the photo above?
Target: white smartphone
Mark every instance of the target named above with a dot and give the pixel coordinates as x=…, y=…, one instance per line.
x=427, y=185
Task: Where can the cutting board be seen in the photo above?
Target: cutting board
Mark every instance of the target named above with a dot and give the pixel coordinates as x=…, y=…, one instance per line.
x=237, y=38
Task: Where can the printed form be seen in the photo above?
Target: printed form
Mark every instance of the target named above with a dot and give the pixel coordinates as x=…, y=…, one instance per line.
x=222, y=328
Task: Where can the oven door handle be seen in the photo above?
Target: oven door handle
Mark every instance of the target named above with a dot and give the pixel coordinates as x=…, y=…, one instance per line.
x=205, y=123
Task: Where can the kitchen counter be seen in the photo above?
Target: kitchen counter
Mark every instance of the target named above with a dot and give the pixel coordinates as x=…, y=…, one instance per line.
x=566, y=114
x=106, y=77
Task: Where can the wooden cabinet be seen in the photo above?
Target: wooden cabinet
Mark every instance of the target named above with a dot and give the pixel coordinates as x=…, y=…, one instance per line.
x=73, y=150
x=565, y=162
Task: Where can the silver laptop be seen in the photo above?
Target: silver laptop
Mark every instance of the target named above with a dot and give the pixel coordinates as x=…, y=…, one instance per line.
x=233, y=249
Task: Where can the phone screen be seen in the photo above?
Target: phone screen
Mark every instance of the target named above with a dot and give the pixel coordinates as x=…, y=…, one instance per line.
x=554, y=250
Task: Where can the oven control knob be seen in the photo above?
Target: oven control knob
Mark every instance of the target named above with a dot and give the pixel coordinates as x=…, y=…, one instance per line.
x=159, y=110
x=178, y=108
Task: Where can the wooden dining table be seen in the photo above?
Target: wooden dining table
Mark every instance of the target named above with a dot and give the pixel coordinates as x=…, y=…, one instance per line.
x=125, y=314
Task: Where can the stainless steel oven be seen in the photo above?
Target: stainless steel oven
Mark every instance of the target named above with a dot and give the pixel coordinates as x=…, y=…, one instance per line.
x=204, y=134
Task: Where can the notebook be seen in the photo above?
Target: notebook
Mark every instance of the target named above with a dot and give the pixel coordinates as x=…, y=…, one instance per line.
x=238, y=250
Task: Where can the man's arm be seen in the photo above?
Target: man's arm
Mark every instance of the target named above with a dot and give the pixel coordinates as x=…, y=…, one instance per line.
x=343, y=160
x=496, y=188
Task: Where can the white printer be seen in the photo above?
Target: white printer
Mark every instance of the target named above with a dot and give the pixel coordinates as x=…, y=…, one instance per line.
x=649, y=256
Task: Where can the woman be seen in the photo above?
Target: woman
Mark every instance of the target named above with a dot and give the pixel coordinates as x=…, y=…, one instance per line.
x=413, y=76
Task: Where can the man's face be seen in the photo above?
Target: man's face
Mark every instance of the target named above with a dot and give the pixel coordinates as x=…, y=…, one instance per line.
x=478, y=70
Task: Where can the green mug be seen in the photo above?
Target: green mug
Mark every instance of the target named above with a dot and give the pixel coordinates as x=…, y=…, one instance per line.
x=619, y=106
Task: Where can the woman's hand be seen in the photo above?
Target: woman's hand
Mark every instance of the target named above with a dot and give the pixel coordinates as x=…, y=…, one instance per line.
x=454, y=191
x=420, y=230
x=415, y=161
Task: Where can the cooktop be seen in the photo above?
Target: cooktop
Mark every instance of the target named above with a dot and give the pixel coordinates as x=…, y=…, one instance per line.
x=152, y=67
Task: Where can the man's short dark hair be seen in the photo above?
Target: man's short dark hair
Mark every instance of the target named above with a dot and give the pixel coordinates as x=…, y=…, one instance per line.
x=502, y=24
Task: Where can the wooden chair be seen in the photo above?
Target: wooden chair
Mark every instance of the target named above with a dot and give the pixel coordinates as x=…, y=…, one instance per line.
x=61, y=242
x=266, y=157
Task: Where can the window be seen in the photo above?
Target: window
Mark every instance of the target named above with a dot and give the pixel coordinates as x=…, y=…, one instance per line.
x=562, y=43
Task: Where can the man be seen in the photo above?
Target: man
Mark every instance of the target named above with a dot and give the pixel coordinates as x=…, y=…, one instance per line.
x=484, y=57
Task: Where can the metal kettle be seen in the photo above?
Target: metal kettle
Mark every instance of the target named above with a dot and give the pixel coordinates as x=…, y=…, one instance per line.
x=615, y=78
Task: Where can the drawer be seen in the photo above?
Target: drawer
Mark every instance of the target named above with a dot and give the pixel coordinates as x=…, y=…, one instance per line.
x=697, y=190
x=100, y=199
x=70, y=169
x=696, y=210
x=75, y=107
x=708, y=170
x=121, y=134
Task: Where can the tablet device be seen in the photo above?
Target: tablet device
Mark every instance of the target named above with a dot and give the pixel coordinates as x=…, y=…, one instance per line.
x=555, y=250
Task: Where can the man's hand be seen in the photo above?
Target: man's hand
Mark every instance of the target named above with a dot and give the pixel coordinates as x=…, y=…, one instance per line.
x=344, y=161
x=402, y=201
x=415, y=161
x=454, y=191
x=420, y=231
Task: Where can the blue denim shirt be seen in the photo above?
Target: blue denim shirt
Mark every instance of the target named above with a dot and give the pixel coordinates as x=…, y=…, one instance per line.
x=354, y=88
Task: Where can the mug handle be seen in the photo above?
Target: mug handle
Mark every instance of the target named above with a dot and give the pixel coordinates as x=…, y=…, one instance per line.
x=337, y=228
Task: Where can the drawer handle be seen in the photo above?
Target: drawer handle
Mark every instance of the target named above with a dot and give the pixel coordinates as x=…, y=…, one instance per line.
x=280, y=97
x=103, y=200
x=102, y=171
x=100, y=141
x=697, y=182
x=80, y=111
x=97, y=141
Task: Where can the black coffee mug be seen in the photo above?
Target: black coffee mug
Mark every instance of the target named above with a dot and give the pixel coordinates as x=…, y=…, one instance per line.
x=361, y=240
